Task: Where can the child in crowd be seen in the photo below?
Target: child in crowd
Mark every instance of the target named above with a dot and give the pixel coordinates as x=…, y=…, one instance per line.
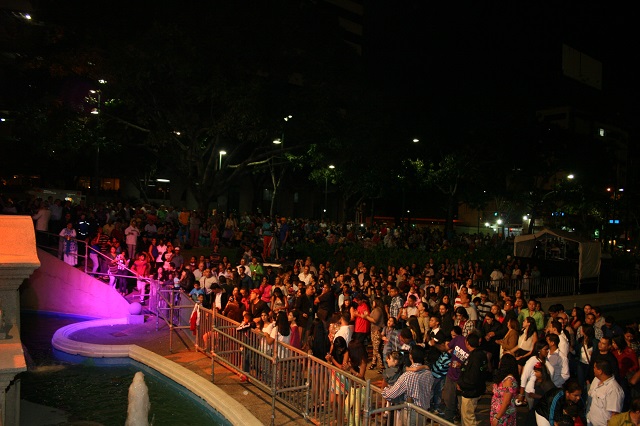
x=197, y=291
x=394, y=370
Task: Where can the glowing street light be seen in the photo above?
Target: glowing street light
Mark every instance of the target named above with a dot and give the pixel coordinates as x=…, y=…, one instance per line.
x=326, y=182
x=222, y=152
x=571, y=176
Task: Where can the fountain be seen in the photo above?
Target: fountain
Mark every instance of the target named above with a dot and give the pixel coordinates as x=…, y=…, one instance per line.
x=138, y=411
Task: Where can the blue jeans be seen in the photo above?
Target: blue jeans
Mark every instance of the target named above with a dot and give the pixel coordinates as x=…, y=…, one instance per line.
x=436, y=392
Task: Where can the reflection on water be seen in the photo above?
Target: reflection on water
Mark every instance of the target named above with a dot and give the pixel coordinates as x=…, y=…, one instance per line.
x=99, y=394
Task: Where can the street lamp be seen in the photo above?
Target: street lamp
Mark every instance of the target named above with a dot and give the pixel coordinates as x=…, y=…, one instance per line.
x=96, y=111
x=280, y=141
x=222, y=152
x=326, y=183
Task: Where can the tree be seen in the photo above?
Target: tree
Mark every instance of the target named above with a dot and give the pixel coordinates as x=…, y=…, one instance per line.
x=188, y=86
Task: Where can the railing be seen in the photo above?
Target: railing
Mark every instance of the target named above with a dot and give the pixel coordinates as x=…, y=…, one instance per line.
x=85, y=252
x=531, y=287
x=322, y=393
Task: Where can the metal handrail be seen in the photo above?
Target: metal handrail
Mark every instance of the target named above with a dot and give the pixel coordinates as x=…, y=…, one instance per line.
x=88, y=249
x=319, y=391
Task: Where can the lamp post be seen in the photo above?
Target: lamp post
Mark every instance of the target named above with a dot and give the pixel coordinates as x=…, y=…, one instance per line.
x=96, y=111
x=222, y=152
x=280, y=141
x=326, y=183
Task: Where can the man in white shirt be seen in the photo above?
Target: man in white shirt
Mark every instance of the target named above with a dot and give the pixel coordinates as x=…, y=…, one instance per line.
x=305, y=276
x=558, y=360
x=207, y=280
x=556, y=328
x=605, y=395
x=243, y=265
x=345, y=330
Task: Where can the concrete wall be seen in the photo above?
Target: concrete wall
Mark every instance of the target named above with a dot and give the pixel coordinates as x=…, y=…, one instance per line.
x=58, y=287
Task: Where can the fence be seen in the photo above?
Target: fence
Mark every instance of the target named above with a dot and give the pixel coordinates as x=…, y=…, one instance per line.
x=322, y=393
x=85, y=254
x=531, y=287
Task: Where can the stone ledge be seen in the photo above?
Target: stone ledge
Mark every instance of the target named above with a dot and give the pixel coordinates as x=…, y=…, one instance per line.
x=220, y=401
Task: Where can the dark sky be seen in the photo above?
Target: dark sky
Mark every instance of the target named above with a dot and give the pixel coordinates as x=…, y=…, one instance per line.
x=483, y=58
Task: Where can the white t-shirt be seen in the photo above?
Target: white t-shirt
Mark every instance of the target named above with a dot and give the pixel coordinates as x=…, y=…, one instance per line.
x=346, y=331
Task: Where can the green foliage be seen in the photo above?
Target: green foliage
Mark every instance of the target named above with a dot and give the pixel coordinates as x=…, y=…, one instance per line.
x=383, y=257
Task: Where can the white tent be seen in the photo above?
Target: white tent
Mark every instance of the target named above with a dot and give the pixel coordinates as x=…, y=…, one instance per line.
x=589, y=250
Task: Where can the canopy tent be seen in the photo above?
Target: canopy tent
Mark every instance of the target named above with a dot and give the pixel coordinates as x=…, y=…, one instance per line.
x=589, y=251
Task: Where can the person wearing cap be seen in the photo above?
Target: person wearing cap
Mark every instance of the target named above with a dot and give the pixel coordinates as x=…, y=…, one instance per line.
x=362, y=326
x=256, y=305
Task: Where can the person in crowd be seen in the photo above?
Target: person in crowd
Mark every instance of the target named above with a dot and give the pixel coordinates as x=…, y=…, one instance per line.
x=510, y=339
x=256, y=305
x=446, y=318
x=233, y=309
x=531, y=312
x=538, y=385
x=338, y=383
x=278, y=301
x=295, y=339
x=362, y=326
x=627, y=364
x=605, y=395
x=557, y=402
x=415, y=385
x=526, y=342
x=459, y=354
x=603, y=352
x=390, y=338
x=356, y=365
x=583, y=352
x=69, y=244
x=472, y=381
x=505, y=388
x=377, y=318
x=441, y=360
x=628, y=418
x=558, y=361
x=489, y=329
x=462, y=320
x=540, y=353
x=121, y=262
x=132, y=233
x=141, y=268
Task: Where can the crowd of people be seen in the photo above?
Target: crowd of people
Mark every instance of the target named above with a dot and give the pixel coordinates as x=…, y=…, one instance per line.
x=436, y=346
x=436, y=337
